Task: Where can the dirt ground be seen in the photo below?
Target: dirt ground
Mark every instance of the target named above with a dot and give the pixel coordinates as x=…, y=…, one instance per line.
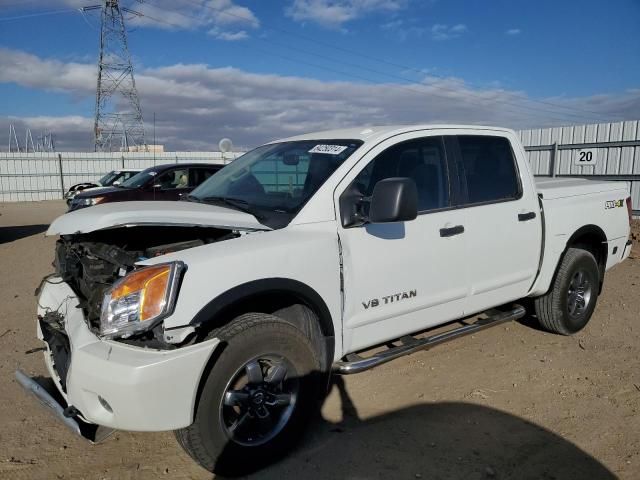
x=509, y=402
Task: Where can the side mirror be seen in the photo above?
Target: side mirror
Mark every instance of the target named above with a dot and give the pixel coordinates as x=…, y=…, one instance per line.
x=394, y=200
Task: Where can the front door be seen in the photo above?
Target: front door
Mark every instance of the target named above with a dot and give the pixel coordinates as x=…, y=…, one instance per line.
x=172, y=184
x=403, y=277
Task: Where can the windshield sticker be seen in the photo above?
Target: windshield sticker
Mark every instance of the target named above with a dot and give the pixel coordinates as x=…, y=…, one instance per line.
x=328, y=149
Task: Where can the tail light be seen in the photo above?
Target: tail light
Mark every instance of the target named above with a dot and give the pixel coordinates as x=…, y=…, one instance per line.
x=629, y=209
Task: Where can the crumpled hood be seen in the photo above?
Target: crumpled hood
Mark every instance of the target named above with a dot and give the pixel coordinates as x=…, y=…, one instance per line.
x=129, y=214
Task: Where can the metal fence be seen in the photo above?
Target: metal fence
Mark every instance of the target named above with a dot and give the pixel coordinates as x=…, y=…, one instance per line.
x=607, y=151
x=46, y=176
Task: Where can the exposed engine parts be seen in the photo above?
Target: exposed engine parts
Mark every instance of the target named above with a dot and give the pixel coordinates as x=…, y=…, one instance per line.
x=91, y=263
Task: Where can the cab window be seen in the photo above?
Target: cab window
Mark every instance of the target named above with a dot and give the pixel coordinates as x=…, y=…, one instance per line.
x=173, y=179
x=423, y=160
x=199, y=175
x=488, y=169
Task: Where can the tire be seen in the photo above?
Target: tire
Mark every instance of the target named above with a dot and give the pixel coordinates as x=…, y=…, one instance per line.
x=567, y=307
x=231, y=434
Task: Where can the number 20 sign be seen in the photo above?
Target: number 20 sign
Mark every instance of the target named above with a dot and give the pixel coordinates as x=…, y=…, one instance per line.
x=585, y=157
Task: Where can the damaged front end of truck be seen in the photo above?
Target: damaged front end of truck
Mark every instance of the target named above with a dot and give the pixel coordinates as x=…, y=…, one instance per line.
x=106, y=300
x=90, y=263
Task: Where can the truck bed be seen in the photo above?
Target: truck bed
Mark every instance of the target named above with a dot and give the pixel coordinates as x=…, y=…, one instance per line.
x=573, y=204
x=553, y=188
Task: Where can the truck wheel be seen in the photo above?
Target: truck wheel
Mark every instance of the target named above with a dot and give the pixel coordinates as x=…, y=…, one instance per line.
x=568, y=305
x=256, y=398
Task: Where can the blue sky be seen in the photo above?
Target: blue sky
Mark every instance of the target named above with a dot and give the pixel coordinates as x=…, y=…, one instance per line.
x=541, y=63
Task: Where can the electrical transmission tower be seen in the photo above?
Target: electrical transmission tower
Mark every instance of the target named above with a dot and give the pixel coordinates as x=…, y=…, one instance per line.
x=118, y=116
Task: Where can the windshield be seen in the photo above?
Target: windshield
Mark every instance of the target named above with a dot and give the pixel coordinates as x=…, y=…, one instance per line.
x=140, y=179
x=108, y=179
x=274, y=181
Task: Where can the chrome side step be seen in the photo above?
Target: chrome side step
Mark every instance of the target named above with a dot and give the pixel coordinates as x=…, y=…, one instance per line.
x=409, y=344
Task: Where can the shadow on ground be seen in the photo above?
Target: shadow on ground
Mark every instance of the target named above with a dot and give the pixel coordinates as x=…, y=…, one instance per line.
x=13, y=233
x=434, y=441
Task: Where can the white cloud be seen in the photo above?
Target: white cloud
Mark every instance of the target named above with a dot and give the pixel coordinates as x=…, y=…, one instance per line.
x=229, y=36
x=334, y=13
x=404, y=29
x=196, y=105
x=513, y=31
x=441, y=31
x=225, y=12
x=15, y=67
x=226, y=18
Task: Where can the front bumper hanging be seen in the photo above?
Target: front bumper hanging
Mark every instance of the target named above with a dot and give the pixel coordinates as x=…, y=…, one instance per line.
x=89, y=431
x=110, y=383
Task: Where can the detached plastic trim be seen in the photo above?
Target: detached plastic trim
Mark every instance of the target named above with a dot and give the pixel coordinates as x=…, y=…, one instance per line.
x=93, y=433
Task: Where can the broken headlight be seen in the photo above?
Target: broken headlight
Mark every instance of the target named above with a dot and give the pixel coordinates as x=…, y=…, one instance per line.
x=138, y=301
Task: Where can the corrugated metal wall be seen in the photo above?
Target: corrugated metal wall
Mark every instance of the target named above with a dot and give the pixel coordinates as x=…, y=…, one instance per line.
x=615, y=147
x=551, y=151
x=44, y=176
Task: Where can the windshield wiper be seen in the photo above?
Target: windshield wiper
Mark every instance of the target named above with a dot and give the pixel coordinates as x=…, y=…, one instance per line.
x=191, y=198
x=235, y=203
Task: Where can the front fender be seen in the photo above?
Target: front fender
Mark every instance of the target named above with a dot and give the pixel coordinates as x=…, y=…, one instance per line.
x=304, y=258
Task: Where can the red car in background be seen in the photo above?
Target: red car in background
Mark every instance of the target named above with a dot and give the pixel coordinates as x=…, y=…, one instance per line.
x=162, y=182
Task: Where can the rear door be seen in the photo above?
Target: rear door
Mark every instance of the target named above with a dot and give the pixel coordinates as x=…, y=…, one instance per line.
x=502, y=220
x=198, y=175
x=403, y=277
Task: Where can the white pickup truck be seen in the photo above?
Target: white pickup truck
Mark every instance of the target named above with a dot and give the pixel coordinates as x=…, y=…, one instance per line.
x=222, y=316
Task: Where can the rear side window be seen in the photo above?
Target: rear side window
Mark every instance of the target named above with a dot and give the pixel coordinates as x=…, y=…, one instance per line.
x=489, y=169
x=199, y=175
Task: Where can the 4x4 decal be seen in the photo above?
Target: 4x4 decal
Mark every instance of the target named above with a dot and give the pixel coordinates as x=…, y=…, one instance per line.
x=613, y=204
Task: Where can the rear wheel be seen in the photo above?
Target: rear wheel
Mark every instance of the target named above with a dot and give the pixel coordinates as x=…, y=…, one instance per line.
x=567, y=307
x=256, y=398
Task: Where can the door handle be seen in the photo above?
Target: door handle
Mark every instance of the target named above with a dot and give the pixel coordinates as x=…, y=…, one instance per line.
x=451, y=231
x=523, y=217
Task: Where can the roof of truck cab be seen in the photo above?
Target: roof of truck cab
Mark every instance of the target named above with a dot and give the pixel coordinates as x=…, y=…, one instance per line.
x=367, y=134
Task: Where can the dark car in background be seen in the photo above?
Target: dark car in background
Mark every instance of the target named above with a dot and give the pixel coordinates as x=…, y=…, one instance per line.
x=162, y=182
x=114, y=177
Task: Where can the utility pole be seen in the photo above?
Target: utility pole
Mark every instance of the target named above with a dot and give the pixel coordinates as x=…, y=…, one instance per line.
x=154, y=139
x=118, y=116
